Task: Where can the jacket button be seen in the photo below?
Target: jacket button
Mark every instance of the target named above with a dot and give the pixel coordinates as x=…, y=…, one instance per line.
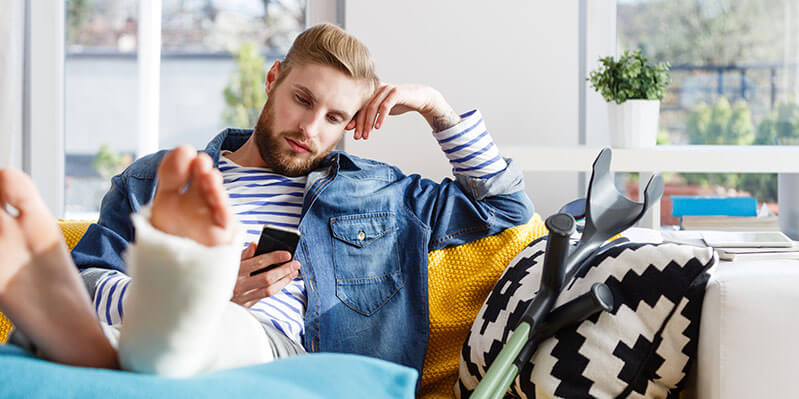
x=361, y=235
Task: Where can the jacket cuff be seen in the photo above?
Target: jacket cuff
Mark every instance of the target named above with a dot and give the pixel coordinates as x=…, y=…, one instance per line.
x=507, y=181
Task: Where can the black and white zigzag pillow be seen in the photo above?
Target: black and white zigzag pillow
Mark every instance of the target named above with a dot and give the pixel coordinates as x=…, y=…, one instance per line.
x=643, y=348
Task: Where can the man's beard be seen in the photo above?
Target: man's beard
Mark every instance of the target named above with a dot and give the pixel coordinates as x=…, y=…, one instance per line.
x=269, y=146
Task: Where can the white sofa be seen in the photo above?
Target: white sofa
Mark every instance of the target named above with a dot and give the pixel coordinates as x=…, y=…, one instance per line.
x=749, y=333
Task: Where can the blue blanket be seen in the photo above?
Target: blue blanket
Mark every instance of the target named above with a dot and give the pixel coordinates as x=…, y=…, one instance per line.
x=310, y=376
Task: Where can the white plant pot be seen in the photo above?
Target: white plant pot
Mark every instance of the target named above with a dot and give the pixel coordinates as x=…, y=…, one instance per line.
x=633, y=123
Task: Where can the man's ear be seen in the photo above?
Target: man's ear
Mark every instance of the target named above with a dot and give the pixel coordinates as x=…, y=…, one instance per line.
x=272, y=75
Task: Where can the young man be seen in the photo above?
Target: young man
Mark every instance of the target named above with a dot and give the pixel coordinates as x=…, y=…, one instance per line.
x=358, y=283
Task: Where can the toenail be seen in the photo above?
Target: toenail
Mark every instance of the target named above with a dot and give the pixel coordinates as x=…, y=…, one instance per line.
x=14, y=212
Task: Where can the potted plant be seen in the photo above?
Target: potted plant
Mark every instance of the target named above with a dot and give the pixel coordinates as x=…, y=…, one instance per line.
x=633, y=88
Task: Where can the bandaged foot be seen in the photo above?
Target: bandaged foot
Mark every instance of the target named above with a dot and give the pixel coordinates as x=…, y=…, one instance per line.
x=40, y=289
x=183, y=265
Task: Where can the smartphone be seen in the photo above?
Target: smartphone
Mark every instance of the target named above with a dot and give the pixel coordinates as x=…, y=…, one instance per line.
x=276, y=239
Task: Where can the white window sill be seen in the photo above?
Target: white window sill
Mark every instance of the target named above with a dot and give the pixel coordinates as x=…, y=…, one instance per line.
x=666, y=158
x=694, y=158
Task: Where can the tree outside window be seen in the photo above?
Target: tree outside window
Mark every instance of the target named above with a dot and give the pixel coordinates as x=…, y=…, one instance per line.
x=735, y=76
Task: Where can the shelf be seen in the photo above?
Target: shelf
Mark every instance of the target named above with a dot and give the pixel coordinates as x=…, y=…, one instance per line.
x=695, y=158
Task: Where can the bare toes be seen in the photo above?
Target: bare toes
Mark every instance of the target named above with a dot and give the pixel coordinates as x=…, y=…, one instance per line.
x=190, y=200
x=33, y=218
x=206, y=183
x=18, y=190
x=14, y=248
x=201, y=165
x=173, y=173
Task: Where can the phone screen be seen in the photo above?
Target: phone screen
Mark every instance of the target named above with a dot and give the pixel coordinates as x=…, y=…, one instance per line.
x=276, y=239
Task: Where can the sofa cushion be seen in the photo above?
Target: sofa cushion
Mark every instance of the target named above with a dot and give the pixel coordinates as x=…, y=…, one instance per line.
x=5, y=328
x=642, y=348
x=459, y=279
x=323, y=375
x=73, y=230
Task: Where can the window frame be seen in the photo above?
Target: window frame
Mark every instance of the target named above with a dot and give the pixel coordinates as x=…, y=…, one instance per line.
x=598, y=39
x=43, y=125
x=43, y=101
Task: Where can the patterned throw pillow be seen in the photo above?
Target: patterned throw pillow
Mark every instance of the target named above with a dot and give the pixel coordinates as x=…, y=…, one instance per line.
x=643, y=348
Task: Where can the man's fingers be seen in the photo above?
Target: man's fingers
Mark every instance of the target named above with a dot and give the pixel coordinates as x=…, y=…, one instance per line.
x=248, y=252
x=249, y=298
x=385, y=108
x=246, y=282
x=350, y=125
x=261, y=261
x=374, y=107
x=359, y=124
x=249, y=304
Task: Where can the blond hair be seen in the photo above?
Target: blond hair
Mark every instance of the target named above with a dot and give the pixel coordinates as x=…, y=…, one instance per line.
x=327, y=44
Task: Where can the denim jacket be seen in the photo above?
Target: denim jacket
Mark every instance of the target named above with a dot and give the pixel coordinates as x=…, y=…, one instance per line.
x=365, y=231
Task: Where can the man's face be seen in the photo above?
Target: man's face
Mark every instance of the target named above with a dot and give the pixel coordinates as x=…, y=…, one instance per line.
x=304, y=117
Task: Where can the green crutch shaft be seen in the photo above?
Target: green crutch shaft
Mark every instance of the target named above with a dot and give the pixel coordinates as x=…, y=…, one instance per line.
x=502, y=371
x=507, y=380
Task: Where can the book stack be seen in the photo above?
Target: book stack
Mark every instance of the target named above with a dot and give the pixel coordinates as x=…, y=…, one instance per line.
x=740, y=254
x=757, y=245
x=721, y=213
x=752, y=245
x=730, y=225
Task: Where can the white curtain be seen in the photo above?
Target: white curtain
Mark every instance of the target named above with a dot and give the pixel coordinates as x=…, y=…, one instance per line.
x=11, y=76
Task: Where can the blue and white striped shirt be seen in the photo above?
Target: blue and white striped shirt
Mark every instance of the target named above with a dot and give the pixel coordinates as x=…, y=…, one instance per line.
x=259, y=196
x=470, y=149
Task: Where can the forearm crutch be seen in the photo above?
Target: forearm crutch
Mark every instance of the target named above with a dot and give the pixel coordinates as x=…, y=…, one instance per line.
x=607, y=212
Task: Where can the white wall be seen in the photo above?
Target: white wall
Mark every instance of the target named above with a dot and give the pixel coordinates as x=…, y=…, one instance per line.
x=319, y=11
x=517, y=61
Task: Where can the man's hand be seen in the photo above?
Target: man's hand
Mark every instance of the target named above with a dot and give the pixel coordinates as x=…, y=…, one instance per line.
x=399, y=99
x=251, y=289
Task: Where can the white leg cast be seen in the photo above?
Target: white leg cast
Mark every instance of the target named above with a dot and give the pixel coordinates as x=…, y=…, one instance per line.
x=178, y=307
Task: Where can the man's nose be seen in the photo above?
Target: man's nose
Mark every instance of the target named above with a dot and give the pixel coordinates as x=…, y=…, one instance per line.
x=310, y=124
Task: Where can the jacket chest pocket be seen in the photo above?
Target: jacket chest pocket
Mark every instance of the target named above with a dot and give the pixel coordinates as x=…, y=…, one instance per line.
x=366, y=260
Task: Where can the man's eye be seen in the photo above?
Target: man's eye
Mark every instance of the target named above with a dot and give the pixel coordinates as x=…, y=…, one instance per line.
x=301, y=100
x=332, y=118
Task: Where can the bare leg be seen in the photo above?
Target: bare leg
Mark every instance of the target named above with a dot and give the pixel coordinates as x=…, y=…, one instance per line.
x=40, y=289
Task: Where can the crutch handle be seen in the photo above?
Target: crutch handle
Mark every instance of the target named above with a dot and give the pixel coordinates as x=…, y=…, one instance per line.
x=598, y=298
x=560, y=226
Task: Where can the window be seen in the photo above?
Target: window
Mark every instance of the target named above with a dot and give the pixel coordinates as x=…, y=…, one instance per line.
x=196, y=63
x=198, y=41
x=735, y=78
x=100, y=99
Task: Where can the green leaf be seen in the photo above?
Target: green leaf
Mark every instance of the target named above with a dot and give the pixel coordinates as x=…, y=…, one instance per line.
x=244, y=94
x=629, y=77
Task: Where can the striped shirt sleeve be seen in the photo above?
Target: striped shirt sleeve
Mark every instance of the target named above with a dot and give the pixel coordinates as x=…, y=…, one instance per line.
x=470, y=149
x=109, y=297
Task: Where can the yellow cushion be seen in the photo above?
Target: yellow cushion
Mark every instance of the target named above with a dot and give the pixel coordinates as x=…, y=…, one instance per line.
x=5, y=328
x=73, y=230
x=459, y=280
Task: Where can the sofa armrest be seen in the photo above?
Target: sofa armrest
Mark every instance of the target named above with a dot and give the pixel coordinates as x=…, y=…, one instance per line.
x=747, y=340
